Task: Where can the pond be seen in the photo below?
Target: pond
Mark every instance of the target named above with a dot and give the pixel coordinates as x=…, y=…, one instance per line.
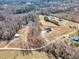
x=75, y=38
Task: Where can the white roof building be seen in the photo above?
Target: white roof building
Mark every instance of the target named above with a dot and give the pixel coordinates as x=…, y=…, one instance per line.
x=17, y=35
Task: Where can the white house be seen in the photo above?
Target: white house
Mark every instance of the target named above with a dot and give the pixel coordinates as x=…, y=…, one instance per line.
x=17, y=35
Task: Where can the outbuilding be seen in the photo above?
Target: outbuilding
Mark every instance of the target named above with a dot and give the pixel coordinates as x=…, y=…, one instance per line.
x=17, y=35
x=48, y=29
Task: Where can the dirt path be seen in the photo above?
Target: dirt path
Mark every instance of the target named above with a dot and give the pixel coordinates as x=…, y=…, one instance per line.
x=23, y=36
x=37, y=48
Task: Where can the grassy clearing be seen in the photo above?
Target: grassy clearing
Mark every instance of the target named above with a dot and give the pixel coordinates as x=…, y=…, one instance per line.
x=19, y=55
x=64, y=28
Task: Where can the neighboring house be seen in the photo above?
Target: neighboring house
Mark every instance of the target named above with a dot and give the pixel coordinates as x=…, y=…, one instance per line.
x=66, y=36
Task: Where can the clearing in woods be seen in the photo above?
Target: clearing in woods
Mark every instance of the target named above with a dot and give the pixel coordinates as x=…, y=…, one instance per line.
x=57, y=31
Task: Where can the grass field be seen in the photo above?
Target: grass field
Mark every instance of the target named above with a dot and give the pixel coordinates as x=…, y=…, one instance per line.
x=18, y=55
x=64, y=28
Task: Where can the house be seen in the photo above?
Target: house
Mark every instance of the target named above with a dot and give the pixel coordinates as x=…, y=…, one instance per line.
x=17, y=35
x=48, y=29
x=66, y=37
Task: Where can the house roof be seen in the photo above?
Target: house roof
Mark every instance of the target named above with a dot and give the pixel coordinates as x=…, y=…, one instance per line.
x=17, y=34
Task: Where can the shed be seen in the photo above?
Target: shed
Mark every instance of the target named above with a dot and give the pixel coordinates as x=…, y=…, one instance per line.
x=66, y=36
x=48, y=29
x=17, y=35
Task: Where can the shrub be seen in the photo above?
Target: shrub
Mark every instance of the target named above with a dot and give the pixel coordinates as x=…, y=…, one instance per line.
x=2, y=18
x=75, y=43
x=55, y=22
x=46, y=19
x=52, y=21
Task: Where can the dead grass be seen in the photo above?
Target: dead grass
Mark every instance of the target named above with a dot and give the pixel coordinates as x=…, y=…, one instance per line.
x=3, y=43
x=19, y=55
x=21, y=40
x=64, y=28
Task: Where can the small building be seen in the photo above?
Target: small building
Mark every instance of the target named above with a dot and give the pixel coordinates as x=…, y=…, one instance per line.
x=66, y=36
x=17, y=35
x=48, y=29
x=43, y=32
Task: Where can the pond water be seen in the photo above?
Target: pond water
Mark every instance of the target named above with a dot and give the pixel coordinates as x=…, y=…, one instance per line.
x=75, y=38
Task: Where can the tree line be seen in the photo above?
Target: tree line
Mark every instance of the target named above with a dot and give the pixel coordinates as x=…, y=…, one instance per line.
x=9, y=25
